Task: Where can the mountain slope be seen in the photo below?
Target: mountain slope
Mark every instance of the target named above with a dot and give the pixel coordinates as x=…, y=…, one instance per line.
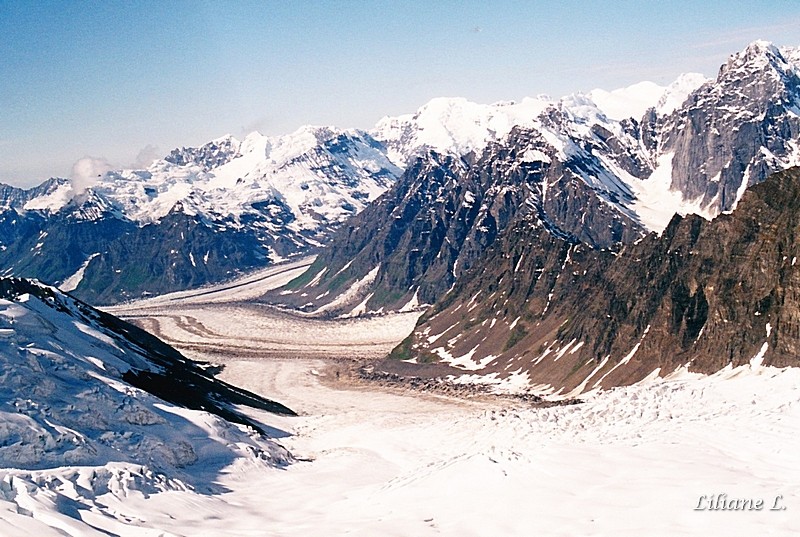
x=702, y=295
x=199, y=215
x=600, y=181
x=82, y=435
x=412, y=244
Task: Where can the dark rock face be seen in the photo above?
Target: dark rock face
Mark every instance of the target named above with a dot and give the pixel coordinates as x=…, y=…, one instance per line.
x=440, y=217
x=121, y=260
x=209, y=156
x=735, y=131
x=704, y=294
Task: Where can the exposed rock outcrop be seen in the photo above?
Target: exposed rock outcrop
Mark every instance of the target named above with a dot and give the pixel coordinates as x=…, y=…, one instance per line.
x=703, y=295
x=423, y=234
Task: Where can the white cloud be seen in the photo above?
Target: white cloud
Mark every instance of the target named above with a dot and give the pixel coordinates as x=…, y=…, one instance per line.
x=87, y=171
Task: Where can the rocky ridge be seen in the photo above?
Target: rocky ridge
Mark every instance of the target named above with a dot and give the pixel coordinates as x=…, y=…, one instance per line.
x=415, y=242
x=568, y=318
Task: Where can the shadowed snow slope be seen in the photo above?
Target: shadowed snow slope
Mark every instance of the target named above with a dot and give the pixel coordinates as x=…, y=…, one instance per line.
x=72, y=391
x=76, y=423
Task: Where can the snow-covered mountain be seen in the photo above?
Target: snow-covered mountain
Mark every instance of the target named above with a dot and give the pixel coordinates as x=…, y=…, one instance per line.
x=634, y=101
x=92, y=406
x=453, y=126
x=203, y=214
x=589, y=172
x=283, y=188
x=196, y=216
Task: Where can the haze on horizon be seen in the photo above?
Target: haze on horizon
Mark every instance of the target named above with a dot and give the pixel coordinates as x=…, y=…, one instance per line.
x=126, y=82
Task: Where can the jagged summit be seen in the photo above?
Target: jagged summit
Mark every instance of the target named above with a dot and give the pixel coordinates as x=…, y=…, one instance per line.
x=211, y=155
x=735, y=131
x=758, y=55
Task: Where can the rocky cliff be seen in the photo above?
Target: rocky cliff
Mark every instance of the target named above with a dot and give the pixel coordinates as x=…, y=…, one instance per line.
x=734, y=131
x=415, y=242
x=703, y=295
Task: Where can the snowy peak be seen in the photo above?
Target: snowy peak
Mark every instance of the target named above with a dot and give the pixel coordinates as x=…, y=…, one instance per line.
x=758, y=54
x=453, y=126
x=281, y=150
x=225, y=180
x=633, y=101
x=734, y=131
x=677, y=92
x=630, y=102
x=759, y=57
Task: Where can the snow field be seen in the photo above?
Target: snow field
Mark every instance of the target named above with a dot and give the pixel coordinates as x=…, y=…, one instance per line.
x=630, y=461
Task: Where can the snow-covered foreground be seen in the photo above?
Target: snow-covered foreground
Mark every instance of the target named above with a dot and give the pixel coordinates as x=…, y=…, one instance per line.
x=76, y=438
x=631, y=461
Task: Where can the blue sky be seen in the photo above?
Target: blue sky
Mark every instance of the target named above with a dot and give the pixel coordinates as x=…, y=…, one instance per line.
x=126, y=81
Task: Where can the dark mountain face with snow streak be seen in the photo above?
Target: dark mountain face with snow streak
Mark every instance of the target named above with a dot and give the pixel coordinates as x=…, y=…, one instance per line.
x=735, y=131
x=414, y=243
x=596, y=181
x=703, y=295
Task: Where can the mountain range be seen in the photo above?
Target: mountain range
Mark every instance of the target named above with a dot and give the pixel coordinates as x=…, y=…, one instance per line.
x=567, y=255
x=399, y=213
x=583, y=176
